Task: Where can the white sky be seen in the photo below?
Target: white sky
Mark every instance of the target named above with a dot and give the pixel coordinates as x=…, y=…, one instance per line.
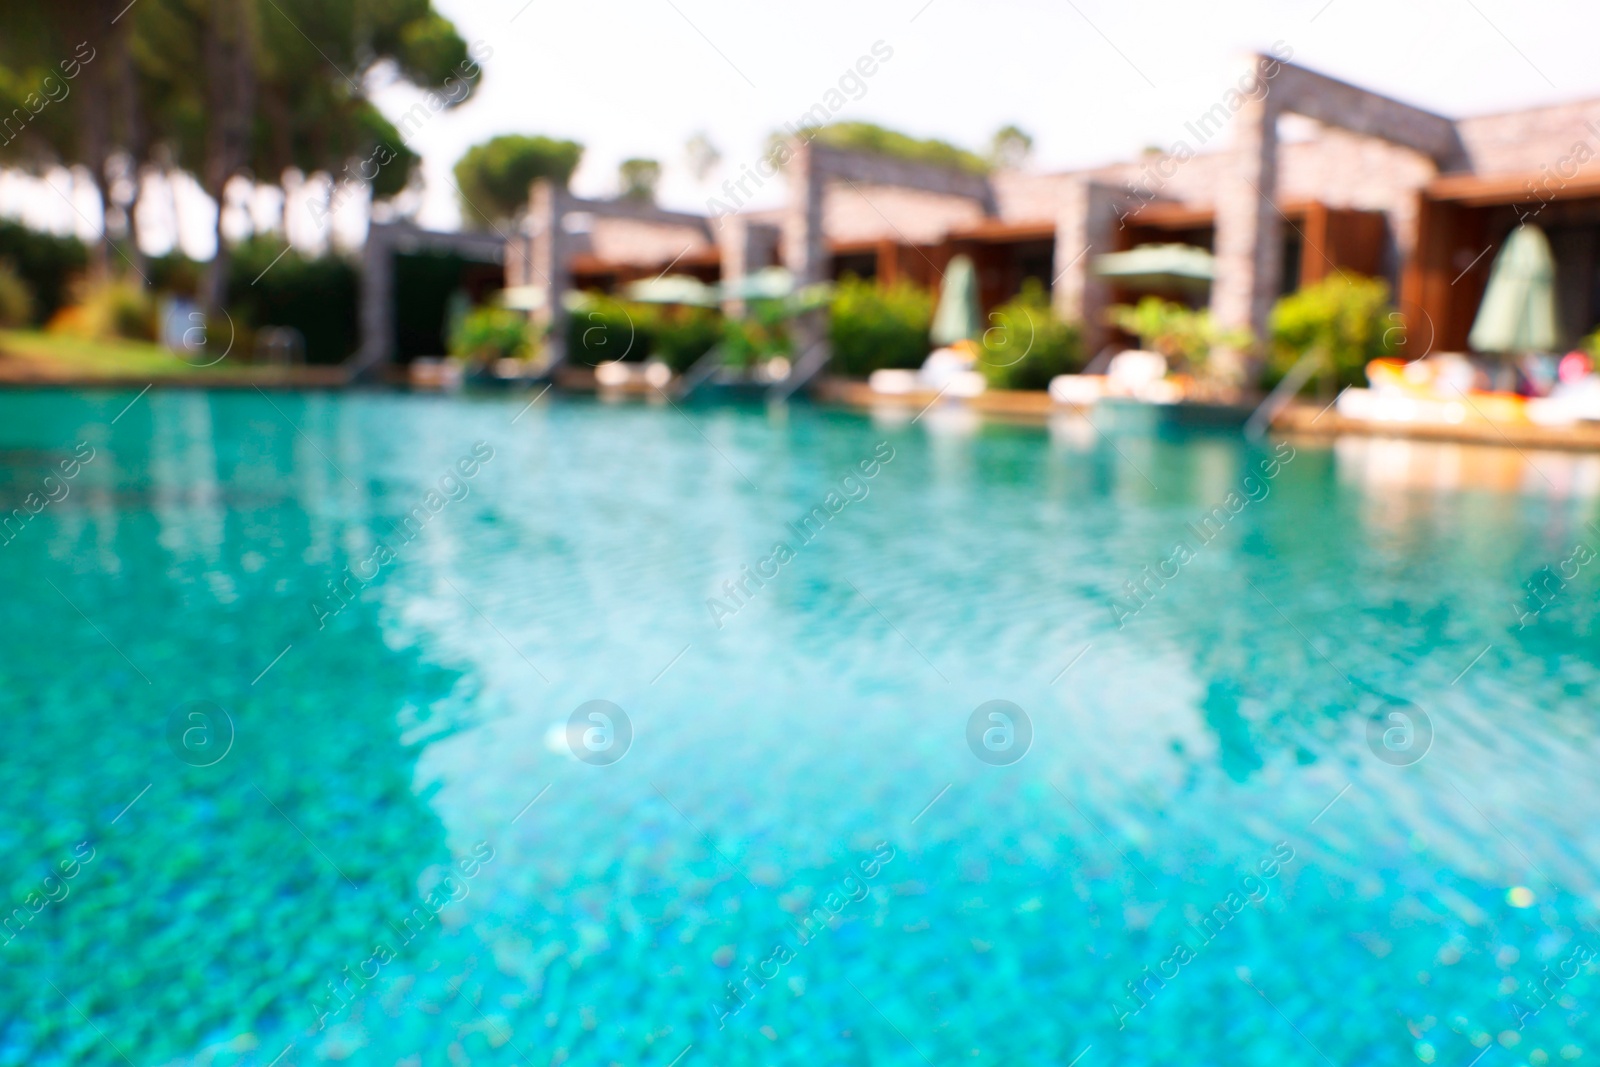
x=1092, y=80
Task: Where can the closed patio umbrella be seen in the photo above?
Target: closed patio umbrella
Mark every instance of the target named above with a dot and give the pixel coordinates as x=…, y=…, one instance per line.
x=958, y=318
x=1518, y=313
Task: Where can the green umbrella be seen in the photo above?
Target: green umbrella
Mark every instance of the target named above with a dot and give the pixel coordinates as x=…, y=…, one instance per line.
x=672, y=289
x=1518, y=313
x=1182, y=267
x=769, y=283
x=959, y=318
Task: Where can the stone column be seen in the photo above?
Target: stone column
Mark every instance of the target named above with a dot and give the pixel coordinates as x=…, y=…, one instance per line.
x=805, y=245
x=746, y=246
x=377, y=302
x=518, y=260
x=1085, y=228
x=1249, y=233
x=547, y=263
x=733, y=248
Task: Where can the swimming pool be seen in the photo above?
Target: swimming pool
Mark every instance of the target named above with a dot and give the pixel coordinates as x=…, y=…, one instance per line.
x=1288, y=764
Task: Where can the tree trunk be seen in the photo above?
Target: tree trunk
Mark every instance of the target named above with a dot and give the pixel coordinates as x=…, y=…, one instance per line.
x=230, y=98
x=280, y=161
x=96, y=153
x=169, y=179
x=283, y=207
x=133, y=138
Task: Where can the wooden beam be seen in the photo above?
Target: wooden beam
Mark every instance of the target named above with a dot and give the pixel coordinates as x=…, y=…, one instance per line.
x=997, y=232
x=1472, y=190
x=888, y=262
x=1314, y=259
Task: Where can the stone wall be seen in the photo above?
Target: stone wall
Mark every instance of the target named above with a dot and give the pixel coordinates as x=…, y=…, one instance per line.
x=858, y=212
x=1522, y=142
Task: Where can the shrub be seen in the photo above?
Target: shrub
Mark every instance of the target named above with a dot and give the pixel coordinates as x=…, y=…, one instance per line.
x=16, y=297
x=111, y=309
x=761, y=335
x=603, y=329
x=1182, y=334
x=489, y=333
x=317, y=296
x=1348, y=318
x=874, y=327
x=46, y=261
x=175, y=273
x=1026, y=345
x=681, y=335
x=1163, y=326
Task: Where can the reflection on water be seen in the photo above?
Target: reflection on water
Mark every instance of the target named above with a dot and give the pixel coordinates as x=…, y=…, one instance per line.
x=219, y=897
x=1397, y=462
x=632, y=911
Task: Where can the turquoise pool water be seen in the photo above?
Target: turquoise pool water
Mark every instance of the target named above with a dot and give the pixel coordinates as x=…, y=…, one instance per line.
x=1318, y=791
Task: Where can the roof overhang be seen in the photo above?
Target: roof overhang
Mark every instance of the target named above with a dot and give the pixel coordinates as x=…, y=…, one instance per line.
x=1174, y=215
x=1472, y=190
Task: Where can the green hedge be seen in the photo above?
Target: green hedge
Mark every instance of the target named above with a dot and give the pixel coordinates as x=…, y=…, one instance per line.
x=174, y=273
x=45, y=262
x=874, y=327
x=1026, y=345
x=16, y=298
x=761, y=335
x=490, y=333
x=1347, y=317
x=605, y=329
x=318, y=297
x=682, y=335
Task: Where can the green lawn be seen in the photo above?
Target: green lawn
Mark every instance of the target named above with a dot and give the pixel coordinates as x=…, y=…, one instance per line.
x=55, y=354
x=32, y=355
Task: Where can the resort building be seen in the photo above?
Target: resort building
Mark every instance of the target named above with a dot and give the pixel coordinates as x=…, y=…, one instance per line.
x=1316, y=175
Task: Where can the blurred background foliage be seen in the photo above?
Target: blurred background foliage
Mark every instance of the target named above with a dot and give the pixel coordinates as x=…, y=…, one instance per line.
x=42, y=264
x=218, y=89
x=1187, y=337
x=488, y=333
x=874, y=327
x=492, y=179
x=880, y=140
x=1347, y=319
x=1026, y=345
x=604, y=329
